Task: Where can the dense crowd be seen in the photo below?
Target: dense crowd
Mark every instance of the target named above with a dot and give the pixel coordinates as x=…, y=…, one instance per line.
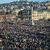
x=18, y=36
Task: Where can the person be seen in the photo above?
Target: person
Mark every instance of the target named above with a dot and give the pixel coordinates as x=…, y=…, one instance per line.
x=11, y=48
x=0, y=48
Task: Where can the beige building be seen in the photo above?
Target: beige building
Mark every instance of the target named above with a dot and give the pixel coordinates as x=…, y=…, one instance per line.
x=40, y=14
x=48, y=7
x=7, y=17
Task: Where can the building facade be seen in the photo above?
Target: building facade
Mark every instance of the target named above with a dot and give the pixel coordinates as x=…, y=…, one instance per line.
x=40, y=14
x=7, y=17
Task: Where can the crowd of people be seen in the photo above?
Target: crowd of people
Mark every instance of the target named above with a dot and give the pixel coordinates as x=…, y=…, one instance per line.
x=23, y=37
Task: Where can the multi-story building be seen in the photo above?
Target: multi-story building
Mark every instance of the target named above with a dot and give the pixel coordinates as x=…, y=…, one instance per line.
x=25, y=14
x=7, y=17
x=40, y=14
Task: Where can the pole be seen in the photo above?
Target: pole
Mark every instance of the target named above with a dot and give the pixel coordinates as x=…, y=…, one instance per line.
x=32, y=14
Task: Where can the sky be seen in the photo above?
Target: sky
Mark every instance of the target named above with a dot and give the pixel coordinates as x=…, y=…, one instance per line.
x=7, y=1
